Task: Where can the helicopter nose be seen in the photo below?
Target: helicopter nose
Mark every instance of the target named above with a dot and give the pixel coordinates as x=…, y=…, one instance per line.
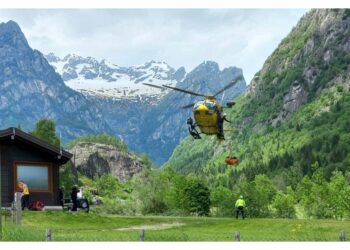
x=201, y=108
x=201, y=111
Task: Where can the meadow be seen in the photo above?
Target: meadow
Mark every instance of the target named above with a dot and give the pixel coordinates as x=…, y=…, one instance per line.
x=67, y=226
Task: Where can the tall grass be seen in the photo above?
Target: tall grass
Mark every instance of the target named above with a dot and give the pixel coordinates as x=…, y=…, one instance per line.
x=22, y=233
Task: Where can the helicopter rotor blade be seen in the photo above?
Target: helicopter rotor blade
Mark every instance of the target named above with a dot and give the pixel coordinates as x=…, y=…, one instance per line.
x=231, y=84
x=183, y=90
x=188, y=106
x=154, y=86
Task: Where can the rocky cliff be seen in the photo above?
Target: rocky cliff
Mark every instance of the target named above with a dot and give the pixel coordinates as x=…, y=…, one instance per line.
x=96, y=159
x=313, y=57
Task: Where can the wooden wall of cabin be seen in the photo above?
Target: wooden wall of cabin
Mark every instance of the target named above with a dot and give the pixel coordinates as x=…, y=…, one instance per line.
x=4, y=176
x=16, y=150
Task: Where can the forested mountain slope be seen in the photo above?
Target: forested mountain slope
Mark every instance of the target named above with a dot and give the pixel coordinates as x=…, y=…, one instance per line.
x=295, y=116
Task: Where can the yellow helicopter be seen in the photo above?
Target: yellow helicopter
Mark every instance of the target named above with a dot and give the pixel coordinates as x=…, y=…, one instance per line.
x=208, y=113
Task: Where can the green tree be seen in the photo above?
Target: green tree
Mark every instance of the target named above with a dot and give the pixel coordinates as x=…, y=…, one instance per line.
x=223, y=199
x=45, y=129
x=152, y=187
x=146, y=162
x=303, y=189
x=284, y=204
x=175, y=194
x=107, y=186
x=101, y=138
x=262, y=192
x=339, y=196
x=314, y=194
x=68, y=177
x=294, y=175
x=197, y=197
x=257, y=194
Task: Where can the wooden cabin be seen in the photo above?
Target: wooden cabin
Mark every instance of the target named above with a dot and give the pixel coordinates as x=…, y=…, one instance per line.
x=32, y=160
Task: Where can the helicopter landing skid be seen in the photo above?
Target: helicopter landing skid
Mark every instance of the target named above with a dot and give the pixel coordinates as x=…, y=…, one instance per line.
x=196, y=137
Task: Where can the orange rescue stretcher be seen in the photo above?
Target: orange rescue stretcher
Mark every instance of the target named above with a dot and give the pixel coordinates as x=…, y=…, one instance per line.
x=229, y=160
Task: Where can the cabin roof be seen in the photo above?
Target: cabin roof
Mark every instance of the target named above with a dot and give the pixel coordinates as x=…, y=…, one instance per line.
x=61, y=155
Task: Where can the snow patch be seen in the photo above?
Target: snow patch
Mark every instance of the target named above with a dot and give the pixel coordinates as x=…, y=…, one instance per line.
x=113, y=81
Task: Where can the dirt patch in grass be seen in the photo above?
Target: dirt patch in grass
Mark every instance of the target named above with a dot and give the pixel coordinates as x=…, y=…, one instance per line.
x=152, y=227
x=145, y=227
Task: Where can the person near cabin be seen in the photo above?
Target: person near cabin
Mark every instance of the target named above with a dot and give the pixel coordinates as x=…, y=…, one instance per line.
x=240, y=206
x=61, y=196
x=25, y=195
x=192, y=128
x=74, y=197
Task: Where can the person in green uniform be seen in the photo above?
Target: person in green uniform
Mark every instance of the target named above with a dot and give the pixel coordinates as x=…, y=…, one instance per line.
x=240, y=205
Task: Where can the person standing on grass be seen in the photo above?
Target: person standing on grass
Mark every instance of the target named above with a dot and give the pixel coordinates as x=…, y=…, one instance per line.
x=74, y=197
x=25, y=194
x=61, y=196
x=240, y=205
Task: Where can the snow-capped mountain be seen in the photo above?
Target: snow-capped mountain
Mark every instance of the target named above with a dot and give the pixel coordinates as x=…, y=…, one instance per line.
x=104, y=79
x=114, y=101
x=148, y=119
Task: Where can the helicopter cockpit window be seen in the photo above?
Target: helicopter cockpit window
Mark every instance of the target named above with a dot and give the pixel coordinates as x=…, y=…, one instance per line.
x=197, y=104
x=210, y=105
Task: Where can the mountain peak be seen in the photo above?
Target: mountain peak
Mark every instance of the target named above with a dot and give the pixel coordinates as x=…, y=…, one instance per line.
x=11, y=35
x=28, y=82
x=51, y=57
x=209, y=64
x=10, y=26
x=152, y=63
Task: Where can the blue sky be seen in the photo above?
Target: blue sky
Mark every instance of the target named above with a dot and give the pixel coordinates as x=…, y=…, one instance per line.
x=181, y=37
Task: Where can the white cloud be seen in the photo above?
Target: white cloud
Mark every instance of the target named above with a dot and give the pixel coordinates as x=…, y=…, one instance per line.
x=181, y=37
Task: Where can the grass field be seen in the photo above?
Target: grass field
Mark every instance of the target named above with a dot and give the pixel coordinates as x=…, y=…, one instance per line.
x=90, y=227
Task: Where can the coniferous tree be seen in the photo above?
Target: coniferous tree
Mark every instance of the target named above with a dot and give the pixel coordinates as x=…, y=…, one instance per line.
x=45, y=129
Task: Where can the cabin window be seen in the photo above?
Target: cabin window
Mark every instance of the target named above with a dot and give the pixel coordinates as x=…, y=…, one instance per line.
x=38, y=177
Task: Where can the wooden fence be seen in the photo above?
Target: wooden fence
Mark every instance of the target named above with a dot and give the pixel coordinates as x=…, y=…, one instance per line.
x=236, y=235
x=13, y=215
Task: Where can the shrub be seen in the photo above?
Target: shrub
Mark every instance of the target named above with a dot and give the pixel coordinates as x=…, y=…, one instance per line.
x=197, y=198
x=284, y=205
x=340, y=88
x=223, y=200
